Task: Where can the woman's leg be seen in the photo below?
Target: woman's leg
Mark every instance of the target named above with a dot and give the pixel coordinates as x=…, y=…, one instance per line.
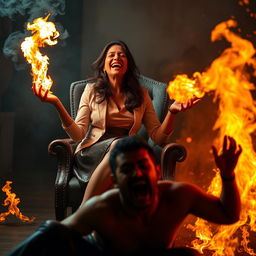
x=101, y=179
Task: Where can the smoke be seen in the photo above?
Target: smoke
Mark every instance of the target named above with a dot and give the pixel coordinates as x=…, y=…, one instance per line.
x=31, y=9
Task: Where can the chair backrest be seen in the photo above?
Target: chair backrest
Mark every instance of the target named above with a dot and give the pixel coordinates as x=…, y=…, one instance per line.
x=157, y=92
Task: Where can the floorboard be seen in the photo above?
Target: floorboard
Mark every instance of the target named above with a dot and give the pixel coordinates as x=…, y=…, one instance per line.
x=36, y=193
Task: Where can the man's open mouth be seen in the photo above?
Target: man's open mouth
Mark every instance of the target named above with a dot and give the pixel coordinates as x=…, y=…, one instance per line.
x=141, y=188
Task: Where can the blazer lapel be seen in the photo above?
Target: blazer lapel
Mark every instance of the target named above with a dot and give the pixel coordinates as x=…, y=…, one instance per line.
x=102, y=113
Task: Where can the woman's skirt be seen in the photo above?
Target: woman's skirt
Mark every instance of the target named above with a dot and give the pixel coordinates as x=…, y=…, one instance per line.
x=87, y=159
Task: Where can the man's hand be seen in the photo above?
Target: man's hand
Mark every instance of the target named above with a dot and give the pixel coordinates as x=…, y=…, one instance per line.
x=178, y=107
x=226, y=161
x=44, y=95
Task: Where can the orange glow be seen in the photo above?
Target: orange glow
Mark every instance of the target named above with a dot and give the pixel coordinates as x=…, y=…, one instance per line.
x=246, y=4
x=188, y=139
x=242, y=2
x=228, y=78
x=11, y=201
x=43, y=33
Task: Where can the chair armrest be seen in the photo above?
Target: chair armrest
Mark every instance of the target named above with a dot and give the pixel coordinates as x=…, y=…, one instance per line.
x=63, y=150
x=171, y=154
x=56, y=146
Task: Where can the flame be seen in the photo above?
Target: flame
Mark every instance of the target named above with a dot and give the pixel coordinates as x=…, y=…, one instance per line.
x=11, y=201
x=228, y=78
x=43, y=33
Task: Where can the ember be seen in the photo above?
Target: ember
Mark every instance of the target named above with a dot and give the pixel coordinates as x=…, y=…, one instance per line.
x=11, y=201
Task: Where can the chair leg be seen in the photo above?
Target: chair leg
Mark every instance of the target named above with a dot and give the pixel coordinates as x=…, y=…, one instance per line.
x=60, y=213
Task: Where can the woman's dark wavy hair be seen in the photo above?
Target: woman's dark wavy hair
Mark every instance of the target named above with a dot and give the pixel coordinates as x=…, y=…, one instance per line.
x=131, y=87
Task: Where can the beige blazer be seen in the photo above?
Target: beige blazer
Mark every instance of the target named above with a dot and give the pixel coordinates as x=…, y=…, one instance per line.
x=93, y=114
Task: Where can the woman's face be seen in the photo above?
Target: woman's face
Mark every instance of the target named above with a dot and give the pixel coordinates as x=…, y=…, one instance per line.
x=116, y=62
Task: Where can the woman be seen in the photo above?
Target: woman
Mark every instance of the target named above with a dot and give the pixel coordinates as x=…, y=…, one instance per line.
x=115, y=105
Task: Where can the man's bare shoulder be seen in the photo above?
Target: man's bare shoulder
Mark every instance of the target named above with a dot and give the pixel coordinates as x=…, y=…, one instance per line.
x=180, y=194
x=175, y=188
x=93, y=212
x=105, y=200
x=173, y=184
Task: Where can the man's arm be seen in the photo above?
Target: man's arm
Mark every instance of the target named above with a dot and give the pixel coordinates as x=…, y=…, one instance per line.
x=226, y=209
x=82, y=219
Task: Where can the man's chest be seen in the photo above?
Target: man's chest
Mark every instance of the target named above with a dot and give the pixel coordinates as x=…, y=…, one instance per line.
x=133, y=235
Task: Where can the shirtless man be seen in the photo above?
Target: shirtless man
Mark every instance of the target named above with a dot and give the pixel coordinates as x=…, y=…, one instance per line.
x=143, y=214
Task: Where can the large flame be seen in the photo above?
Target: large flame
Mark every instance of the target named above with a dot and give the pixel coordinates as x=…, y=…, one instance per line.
x=43, y=33
x=228, y=78
x=12, y=201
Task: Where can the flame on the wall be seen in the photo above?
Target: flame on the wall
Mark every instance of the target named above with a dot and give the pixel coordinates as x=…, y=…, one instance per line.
x=228, y=78
x=43, y=33
x=12, y=201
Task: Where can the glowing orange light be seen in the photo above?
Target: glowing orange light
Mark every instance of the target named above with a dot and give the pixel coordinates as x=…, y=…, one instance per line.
x=246, y=4
x=11, y=201
x=43, y=33
x=242, y=2
x=188, y=139
x=229, y=79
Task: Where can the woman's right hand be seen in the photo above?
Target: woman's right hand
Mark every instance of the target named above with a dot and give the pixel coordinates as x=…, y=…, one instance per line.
x=45, y=95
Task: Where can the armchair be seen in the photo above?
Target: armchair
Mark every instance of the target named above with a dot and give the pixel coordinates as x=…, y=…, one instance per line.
x=68, y=192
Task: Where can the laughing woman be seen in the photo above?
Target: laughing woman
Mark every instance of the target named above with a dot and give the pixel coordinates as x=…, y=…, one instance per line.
x=113, y=106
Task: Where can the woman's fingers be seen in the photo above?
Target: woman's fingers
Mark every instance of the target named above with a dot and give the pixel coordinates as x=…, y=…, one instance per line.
x=40, y=92
x=196, y=100
x=45, y=94
x=183, y=106
x=189, y=104
x=34, y=88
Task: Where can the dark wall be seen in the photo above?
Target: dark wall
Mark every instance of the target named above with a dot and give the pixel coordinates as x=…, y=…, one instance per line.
x=37, y=123
x=166, y=37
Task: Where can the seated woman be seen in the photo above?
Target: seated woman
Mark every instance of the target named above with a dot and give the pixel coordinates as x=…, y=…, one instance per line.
x=113, y=106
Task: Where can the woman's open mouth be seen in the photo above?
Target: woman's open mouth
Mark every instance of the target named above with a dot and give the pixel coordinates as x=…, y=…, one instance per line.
x=116, y=66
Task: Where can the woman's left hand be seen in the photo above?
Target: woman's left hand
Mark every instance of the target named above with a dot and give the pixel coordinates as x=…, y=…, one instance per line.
x=178, y=106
